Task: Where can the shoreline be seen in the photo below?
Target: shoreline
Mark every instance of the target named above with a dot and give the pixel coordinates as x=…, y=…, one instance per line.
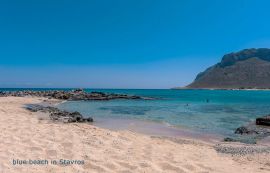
x=144, y=127
x=162, y=129
x=153, y=128
x=25, y=136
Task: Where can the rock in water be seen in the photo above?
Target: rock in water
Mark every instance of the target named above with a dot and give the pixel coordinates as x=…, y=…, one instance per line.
x=242, y=130
x=228, y=139
x=263, y=121
x=251, y=133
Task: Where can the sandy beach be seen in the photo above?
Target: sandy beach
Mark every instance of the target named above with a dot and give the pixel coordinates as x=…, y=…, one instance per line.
x=87, y=148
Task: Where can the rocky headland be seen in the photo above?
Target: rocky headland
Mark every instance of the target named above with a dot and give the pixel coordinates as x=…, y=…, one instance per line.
x=246, y=69
x=72, y=95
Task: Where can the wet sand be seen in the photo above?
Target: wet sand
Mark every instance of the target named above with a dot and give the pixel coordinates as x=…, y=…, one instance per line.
x=154, y=129
x=25, y=135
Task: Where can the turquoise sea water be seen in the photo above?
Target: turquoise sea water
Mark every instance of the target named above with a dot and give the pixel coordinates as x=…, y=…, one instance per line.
x=208, y=111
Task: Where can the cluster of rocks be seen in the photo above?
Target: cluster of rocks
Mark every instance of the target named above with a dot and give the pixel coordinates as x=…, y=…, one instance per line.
x=78, y=94
x=58, y=115
x=260, y=127
x=253, y=131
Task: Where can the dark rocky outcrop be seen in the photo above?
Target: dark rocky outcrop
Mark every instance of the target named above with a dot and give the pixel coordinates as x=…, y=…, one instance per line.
x=78, y=94
x=243, y=130
x=249, y=133
x=253, y=129
x=228, y=139
x=265, y=121
x=252, y=132
x=247, y=69
x=58, y=115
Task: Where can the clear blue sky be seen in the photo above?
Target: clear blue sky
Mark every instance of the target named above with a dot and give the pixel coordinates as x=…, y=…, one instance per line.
x=123, y=43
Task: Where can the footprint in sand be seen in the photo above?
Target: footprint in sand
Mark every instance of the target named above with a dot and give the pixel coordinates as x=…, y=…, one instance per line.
x=190, y=167
x=127, y=165
x=111, y=166
x=35, y=149
x=67, y=145
x=67, y=149
x=125, y=171
x=168, y=167
x=51, y=153
x=90, y=167
x=147, y=152
x=204, y=167
x=144, y=165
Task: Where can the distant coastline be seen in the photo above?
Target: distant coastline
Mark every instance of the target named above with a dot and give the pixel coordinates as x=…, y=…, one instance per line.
x=237, y=89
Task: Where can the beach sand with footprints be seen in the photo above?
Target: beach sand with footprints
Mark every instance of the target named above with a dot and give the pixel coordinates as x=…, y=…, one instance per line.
x=29, y=139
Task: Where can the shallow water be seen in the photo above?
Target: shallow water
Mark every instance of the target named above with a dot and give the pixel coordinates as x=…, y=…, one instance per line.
x=206, y=111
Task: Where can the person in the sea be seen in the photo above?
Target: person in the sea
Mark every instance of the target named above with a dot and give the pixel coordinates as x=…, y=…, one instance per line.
x=207, y=100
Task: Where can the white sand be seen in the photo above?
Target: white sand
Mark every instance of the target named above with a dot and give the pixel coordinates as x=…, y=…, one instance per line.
x=24, y=136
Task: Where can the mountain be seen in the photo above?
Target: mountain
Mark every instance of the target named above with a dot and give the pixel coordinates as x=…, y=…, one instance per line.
x=246, y=69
